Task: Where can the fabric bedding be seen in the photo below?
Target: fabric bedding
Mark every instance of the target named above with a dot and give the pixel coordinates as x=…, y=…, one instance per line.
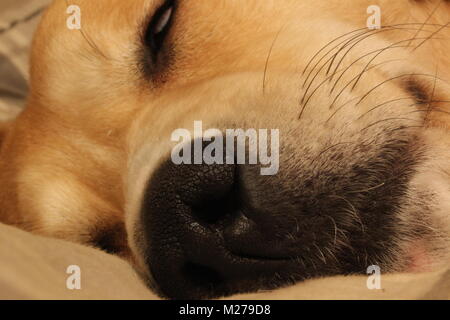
x=18, y=20
x=34, y=267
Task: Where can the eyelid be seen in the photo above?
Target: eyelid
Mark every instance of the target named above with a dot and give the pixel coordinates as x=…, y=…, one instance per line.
x=156, y=52
x=159, y=25
x=164, y=20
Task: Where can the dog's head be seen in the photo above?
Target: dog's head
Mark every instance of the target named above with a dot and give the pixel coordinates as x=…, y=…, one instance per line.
x=350, y=127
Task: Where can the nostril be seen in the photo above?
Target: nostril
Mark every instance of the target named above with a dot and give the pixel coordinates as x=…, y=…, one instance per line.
x=217, y=205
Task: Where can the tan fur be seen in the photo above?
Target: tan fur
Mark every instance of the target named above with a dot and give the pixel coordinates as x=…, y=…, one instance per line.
x=76, y=161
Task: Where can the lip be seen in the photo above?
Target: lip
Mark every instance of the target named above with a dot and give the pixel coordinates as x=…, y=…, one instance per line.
x=239, y=255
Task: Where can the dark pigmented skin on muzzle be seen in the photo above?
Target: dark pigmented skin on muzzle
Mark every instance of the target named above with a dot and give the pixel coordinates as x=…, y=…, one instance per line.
x=215, y=230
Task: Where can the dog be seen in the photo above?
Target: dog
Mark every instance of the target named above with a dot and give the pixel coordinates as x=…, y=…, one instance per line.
x=364, y=139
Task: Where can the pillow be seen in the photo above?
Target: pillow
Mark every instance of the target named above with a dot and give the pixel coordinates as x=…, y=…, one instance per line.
x=35, y=267
x=18, y=20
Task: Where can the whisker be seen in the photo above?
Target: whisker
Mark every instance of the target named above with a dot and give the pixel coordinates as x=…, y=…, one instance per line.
x=394, y=78
x=364, y=38
x=341, y=107
x=340, y=93
x=353, y=211
x=426, y=21
x=329, y=148
x=373, y=58
x=370, y=189
x=326, y=54
x=305, y=103
x=394, y=26
x=329, y=43
x=433, y=110
x=386, y=120
x=388, y=28
x=340, y=62
x=383, y=104
x=407, y=128
x=352, y=47
x=431, y=36
x=323, y=82
x=353, y=79
x=268, y=58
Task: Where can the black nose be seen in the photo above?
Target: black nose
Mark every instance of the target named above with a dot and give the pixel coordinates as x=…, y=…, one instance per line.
x=204, y=236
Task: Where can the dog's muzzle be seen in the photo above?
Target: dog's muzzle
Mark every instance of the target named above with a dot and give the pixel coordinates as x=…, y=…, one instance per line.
x=215, y=230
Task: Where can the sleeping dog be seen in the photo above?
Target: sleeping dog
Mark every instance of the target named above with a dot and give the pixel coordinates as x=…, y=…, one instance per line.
x=362, y=114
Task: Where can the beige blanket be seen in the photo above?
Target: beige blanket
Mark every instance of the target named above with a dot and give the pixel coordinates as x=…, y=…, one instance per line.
x=33, y=267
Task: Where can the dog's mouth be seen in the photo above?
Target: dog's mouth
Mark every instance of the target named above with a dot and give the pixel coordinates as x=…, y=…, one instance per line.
x=216, y=230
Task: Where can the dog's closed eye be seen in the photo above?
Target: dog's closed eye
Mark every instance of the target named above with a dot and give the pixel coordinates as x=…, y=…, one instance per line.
x=159, y=27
